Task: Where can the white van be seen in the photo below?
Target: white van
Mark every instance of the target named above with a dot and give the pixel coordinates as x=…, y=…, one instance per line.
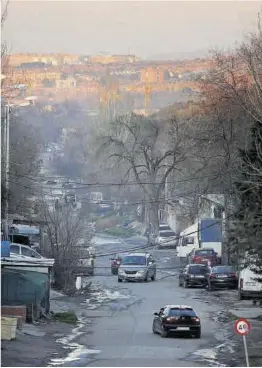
x=188, y=240
x=248, y=287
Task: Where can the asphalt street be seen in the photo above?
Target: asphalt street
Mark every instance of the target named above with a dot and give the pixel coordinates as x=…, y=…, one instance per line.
x=120, y=333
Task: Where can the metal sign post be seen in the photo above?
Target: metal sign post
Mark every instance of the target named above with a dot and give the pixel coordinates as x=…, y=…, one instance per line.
x=242, y=327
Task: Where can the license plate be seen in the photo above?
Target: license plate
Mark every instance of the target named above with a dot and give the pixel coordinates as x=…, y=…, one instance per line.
x=250, y=283
x=183, y=328
x=222, y=276
x=199, y=276
x=130, y=275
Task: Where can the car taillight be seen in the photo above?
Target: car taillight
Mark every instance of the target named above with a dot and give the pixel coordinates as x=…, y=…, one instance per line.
x=170, y=319
x=196, y=258
x=196, y=319
x=233, y=274
x=212, y=276
x=241, y=283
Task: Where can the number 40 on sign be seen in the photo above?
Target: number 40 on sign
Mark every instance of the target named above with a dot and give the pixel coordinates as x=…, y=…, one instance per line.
x=242, y=326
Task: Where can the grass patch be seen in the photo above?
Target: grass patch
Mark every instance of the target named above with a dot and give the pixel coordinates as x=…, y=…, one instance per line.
x=66, y=317
x=232, y=316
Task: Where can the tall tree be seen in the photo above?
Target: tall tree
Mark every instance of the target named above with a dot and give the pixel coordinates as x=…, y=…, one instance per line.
x=249, y=187
x=150, y=149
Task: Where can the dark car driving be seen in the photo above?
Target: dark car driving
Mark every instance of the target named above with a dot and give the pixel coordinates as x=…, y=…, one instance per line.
x=206, y=256
x=193, y=275
x=222, y=277
x=176, y=318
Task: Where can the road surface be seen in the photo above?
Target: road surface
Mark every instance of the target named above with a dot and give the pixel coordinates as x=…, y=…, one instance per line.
x=120, y=333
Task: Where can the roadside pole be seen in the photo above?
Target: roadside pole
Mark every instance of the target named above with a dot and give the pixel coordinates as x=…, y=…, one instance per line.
x=242, y=327
x=6, y=167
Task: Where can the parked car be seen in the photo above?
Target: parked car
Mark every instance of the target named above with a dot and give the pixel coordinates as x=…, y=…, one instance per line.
x=23, y=250
x=164, y=226
x=137, y=267
x=176, y=318
x=248, y=286
x=221, y=277
x=193, y=275
x=206, y=256
x=166, y=239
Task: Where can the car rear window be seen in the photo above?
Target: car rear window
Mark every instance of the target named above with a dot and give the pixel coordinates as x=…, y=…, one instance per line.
x=176, y=312
x=166, y=233
x=198, y=270
x=206, y=252
x=134, y=260
x=222, y=269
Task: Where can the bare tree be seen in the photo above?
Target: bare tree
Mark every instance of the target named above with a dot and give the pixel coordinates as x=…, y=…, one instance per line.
x=65, y=232
x=150, y=150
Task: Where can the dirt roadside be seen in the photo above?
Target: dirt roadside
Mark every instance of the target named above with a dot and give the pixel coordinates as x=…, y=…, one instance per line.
x=232, y=354
x=35, y=346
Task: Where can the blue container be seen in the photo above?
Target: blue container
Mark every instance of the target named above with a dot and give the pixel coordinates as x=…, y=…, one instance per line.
x=5, y=248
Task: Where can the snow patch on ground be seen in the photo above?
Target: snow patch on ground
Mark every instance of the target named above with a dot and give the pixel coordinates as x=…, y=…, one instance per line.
x=77, y=351
x=97, y=240
x=103, y=296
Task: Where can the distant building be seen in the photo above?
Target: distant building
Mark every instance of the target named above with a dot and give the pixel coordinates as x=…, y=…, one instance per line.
x=152, y=75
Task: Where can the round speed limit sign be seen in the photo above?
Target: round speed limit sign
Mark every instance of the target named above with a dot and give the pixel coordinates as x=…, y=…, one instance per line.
x=242, y=326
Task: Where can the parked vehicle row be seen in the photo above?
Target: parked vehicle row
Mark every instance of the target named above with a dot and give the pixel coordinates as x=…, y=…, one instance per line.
x=216, y=277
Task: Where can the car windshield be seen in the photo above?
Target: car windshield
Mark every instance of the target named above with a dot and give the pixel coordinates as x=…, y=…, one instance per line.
x=222, y=269
x=198, y=270
x=134, y=260
x=177, y=312
x=206, y=252
x=166, y=233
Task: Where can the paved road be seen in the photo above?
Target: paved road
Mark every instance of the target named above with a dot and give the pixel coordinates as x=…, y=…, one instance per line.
x=121, y=333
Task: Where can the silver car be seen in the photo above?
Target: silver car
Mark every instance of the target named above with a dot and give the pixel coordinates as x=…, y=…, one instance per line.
x=137, y=267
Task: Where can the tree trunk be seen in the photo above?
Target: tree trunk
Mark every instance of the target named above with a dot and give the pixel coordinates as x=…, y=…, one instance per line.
x=153, y=208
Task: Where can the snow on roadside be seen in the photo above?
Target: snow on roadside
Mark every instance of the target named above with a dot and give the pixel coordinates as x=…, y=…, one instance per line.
x=97, y=240
x=77, y=351
x=102, y=296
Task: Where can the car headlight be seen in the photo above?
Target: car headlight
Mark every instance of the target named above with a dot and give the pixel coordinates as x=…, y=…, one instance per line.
x=141, y=272
x=120, y=272
x=191, y=275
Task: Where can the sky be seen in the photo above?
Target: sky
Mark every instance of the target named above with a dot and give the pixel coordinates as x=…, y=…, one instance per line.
x=149, y=29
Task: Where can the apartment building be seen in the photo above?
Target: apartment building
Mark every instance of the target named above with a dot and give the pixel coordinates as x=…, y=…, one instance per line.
x=152, y=75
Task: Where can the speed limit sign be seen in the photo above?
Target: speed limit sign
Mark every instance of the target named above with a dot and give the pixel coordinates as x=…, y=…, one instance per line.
x=242, y=326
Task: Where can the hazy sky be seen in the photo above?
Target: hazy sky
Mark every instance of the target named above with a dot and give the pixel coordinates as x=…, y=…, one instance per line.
x=146, y=28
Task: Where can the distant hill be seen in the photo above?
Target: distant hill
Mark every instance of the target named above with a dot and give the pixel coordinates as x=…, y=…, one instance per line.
x=181, y=55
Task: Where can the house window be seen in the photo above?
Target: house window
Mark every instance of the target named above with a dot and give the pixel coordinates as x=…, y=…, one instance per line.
x=218, y=212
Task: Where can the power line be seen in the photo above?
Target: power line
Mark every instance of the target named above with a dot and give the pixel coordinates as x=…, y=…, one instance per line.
x=81, y=185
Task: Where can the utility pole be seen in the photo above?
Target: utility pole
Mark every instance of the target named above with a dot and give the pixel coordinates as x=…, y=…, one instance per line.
x=6, y=167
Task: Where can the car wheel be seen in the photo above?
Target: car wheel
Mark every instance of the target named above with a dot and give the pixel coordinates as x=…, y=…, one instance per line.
x=198, y=334
x=119, y=280
x=164, y=333
x=153, y=329
x=146, y=278
x=153, y=277
x=185, y=284
x=240, y=296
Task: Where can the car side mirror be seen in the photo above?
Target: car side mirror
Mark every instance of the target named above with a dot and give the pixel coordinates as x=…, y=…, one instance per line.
x=156, y=314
